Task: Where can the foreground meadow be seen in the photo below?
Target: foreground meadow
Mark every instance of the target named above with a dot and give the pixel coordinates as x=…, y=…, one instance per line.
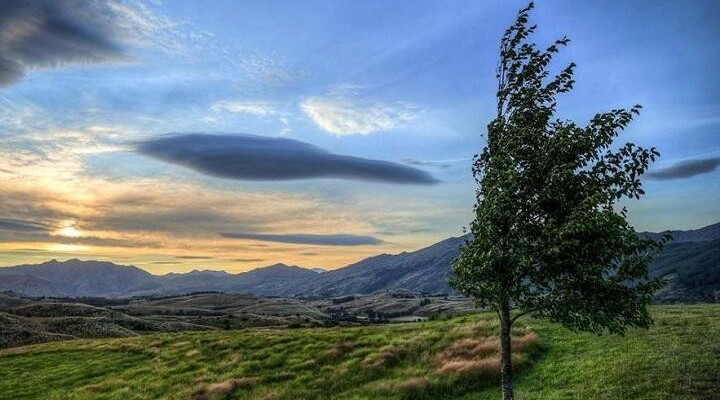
x=678, y=358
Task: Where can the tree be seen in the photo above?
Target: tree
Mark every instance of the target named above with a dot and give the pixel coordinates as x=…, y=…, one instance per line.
x=549, y=238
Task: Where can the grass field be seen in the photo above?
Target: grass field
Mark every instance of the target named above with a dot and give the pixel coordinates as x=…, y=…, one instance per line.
x=678, y=358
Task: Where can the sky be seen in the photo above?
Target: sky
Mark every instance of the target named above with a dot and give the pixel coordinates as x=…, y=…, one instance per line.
x=236, y=134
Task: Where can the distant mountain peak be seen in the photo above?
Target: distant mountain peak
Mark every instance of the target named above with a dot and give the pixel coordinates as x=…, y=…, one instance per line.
x=207, y=272
x=319, y=270
x=704, y=234
x=279, y=265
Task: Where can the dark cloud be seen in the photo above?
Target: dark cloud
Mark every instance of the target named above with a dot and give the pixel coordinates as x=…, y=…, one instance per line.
x=17, y=233
x=249, y=259
x=302, y=238
x=686, y=169
x=153, y=218
x=25, y=251
x=19, y=225
x=250, y=157
x=45, y=34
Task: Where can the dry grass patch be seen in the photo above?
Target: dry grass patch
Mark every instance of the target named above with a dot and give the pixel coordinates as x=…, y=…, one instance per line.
x=413, y=384
x=386, y=357
x=469, y=349
x=220, y=389
x=479, y=328
x=231, y=361
x=230, y=385
x=95, y=387
x=131, y=347
x=484, y=366
x=525, y=342
x=339, y=350
x=481, y=356
x=390, y=355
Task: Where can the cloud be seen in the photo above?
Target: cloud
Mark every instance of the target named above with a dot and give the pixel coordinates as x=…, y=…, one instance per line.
x=269, y=69
x=38, y=34
x=137, y=25
x=18, y=225
x=341, y=117
x=194, y=257
x=441, y=164
x=248, y=259
x=302, y=238
x=250, y=157
x=46, y=34
x=686, y=169
x=261, y=108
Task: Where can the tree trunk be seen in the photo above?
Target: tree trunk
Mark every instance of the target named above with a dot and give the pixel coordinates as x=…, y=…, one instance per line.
x=505, y=344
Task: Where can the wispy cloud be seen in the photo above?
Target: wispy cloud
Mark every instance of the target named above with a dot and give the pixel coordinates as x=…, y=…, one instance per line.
x=261, y=108
x=250, y=157
x=140, y=26
x=442, y=164
x=16, y=118
x=686, y=169
x=300, y=238
x=269, y=69
x=342, y=117
x=194, y=257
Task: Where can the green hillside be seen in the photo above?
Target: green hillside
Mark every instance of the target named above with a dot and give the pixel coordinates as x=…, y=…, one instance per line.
x=678, y=358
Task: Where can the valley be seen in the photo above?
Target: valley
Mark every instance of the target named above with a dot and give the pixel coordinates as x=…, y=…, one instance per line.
x=26, y=321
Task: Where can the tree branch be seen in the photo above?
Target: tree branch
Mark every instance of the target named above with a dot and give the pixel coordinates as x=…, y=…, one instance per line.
x=515, y=318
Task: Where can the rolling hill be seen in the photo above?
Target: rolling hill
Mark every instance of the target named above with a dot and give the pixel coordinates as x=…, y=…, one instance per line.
x=676, y=359
x=35, y=320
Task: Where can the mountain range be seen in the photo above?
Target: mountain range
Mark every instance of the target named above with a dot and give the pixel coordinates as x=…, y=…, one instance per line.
x=690, y=264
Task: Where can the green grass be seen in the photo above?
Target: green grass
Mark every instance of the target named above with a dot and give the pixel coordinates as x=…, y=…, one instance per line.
x=678, y=358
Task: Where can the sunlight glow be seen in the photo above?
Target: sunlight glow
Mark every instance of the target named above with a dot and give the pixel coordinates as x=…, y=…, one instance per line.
x=69, y=231
x=65, y=247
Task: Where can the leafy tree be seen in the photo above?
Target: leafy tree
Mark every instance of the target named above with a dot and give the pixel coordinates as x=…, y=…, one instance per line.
x=549, y=238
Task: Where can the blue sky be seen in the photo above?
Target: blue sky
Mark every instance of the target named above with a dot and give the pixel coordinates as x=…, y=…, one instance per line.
x=406, y=84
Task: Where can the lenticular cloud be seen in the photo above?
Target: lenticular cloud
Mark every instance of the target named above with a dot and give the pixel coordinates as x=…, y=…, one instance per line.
x=260, y=158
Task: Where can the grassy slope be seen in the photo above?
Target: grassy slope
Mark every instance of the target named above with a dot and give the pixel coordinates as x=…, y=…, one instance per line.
x=679, y=358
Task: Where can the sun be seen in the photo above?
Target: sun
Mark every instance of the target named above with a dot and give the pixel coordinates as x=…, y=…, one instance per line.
x=69, y=231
